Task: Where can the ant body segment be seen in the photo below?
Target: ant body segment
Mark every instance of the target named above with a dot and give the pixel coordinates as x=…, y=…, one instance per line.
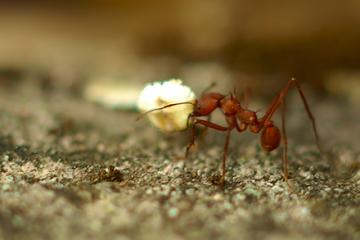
x=240, y=118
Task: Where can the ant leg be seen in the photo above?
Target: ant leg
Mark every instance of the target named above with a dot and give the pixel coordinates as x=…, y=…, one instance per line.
x=285, y=142
x=206, y=124
x=192, y=141
x=226, y=146
x=310, y=115
x=280, y=99
x=285, y=148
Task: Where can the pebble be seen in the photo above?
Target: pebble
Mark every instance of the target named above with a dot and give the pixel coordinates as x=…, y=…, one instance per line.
x=338, y=190
x=173, y=212
x=252, y=192
x=277, y=189
x=6, y=187
x=177, y=172
x=258, y=176
x=149, y=191
x=18, y=221
x=240, y=197
x=190, y=191
x=218, y=197
x=227, y=206
x=10, y=179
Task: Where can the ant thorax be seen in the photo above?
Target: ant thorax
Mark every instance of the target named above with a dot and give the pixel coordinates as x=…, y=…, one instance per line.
x=230, y=106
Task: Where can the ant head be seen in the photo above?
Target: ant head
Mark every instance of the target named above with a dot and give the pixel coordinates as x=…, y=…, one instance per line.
x=230, y=105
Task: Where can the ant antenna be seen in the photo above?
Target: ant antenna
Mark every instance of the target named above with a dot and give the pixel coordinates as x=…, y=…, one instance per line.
x=236, y=94
x=245, y=96
x=231, y=95
x=161, y=108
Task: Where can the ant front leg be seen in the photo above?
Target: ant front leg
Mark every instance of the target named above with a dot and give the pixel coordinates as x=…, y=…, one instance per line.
x=206, y=124
x=226, y=146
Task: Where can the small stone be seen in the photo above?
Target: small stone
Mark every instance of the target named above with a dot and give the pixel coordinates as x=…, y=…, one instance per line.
x=17, y=220
x=240, y=197
x=277, y=189
x=218, y=197
x=258, y=176
x=252, y=192
x=227, y=205
x=10, y=179
x=177, y=172
x=338, y=190
x=6, y=187
x=173, y=212
x=190, y=191
x=149, y=191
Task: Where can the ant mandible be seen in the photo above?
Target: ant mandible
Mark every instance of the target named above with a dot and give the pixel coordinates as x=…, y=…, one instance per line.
x=240, y=118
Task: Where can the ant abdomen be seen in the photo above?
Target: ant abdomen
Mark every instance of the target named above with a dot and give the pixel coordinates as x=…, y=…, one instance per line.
x=270, y=138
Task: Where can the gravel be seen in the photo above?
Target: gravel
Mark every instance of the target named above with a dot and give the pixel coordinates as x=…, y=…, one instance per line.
x=70, y=169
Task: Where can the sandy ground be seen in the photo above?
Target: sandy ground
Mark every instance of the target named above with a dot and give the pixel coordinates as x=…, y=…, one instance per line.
x=72, y=170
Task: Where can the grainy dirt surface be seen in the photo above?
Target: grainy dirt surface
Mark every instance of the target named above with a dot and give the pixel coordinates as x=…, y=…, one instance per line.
x=72, y=170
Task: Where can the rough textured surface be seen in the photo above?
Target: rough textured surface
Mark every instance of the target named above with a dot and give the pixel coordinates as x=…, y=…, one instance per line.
x=69, y=169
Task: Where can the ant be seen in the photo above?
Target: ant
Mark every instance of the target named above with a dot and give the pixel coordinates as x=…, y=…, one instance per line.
x=240, y=118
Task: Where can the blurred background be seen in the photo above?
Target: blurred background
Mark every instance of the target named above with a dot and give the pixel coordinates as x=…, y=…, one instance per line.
x=72, y=169
x=259, y=44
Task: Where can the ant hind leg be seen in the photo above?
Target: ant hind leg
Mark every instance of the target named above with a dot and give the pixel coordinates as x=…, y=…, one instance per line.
x=192, y=141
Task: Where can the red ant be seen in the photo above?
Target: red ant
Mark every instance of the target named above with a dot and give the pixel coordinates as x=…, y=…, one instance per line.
x=241, y=118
